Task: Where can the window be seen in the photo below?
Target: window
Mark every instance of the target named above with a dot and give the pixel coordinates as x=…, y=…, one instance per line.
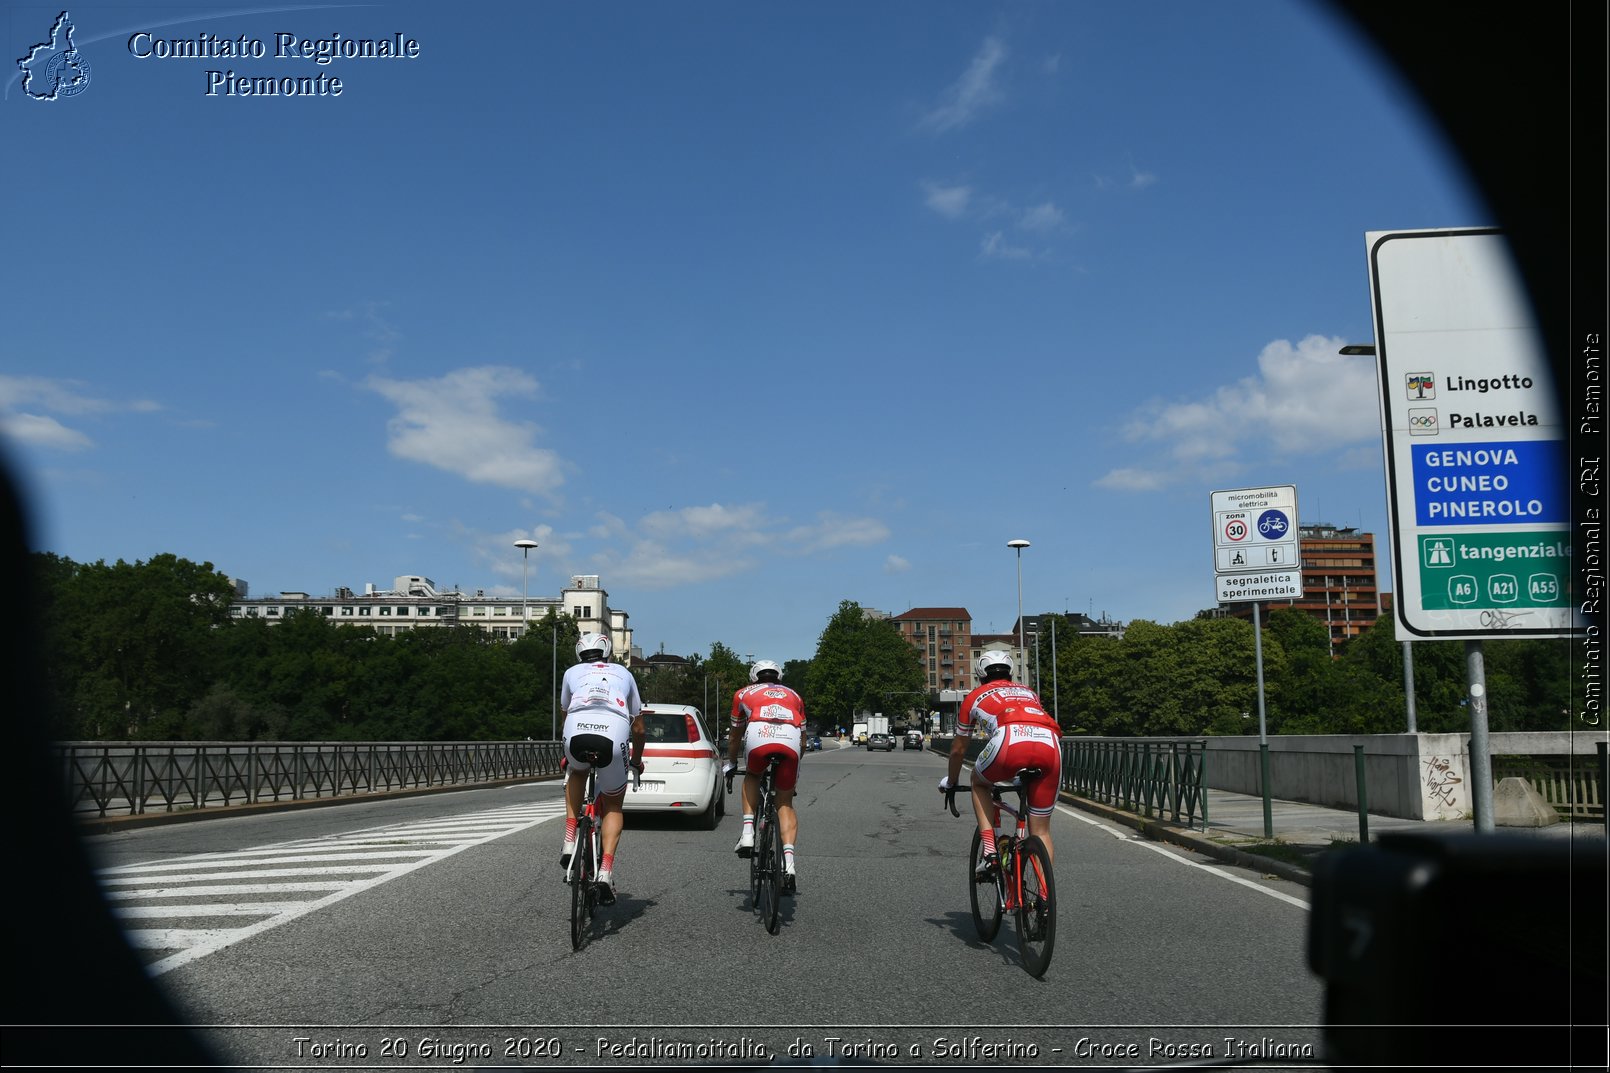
x=500, y=612
x=426, y=610
x=363, y=612
x=346, y=612
x=273, y=612
x=402, y=610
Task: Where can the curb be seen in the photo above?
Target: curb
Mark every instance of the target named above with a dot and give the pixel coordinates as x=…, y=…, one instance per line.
x=1173, y=834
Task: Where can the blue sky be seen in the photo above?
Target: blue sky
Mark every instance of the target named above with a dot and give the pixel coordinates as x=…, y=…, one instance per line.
x=746, y=308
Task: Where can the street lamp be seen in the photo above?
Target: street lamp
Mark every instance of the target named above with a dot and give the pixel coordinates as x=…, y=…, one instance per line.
x=525, y=547
x=1019, y=545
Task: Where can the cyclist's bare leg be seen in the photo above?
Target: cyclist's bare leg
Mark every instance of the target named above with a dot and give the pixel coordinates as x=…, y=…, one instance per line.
x=575, y=790
x=1040, y=827
x=787, y=818
x=983, y=805
x=751, y=793
x=611, y=820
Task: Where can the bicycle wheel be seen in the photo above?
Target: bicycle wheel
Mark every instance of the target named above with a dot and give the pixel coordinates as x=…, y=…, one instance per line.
x=581, y=883
x=984, y=893
x=771, y=876
x=1036, y=906
x=755, y=861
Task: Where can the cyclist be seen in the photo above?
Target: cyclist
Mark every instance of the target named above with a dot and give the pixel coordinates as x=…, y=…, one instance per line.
x=602, y=707
x=1021, y=735
x=766, y=718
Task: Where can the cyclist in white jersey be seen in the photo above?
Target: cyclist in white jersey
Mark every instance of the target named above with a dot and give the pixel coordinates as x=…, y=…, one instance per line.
x=602, y=707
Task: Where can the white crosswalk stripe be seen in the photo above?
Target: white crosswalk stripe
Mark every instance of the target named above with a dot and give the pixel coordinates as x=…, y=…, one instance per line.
x=277, y=884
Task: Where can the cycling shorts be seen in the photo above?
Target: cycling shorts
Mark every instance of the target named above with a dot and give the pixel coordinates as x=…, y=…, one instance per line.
x=603, y=730
x=763, y=740
x=1016, y=746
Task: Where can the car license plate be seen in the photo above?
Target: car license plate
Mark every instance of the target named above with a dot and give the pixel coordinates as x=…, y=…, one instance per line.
x=650, y=786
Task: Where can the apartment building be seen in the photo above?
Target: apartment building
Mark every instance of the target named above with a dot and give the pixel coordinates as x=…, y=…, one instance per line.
x=943, y=638
x=414, y=602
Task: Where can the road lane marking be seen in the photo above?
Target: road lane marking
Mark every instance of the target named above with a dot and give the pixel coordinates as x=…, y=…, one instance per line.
x=1141, y=840
x=417, y=845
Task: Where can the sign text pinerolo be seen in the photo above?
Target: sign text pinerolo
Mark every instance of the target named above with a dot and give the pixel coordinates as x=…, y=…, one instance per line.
x=284, y=48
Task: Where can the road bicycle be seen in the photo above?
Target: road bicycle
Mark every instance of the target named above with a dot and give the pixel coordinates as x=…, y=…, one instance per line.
x=1019, y=881
x=766, y=860
x=582, y=871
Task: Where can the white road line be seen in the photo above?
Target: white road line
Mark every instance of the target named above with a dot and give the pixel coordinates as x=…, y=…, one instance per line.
x=417, y=845
x=1171, y=855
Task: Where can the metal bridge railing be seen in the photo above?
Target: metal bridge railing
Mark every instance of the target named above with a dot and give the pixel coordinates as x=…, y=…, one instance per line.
x=1160, y=778
x=134, y=778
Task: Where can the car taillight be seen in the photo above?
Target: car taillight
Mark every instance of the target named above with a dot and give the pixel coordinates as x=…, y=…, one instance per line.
x=693, y=729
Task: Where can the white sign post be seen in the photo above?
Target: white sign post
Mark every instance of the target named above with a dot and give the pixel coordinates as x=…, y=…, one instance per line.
x=1475, y=444
x=1475, y=455
x=1256, y=558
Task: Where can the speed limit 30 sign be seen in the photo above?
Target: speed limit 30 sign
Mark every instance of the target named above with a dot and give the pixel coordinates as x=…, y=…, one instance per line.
x=1255, y=551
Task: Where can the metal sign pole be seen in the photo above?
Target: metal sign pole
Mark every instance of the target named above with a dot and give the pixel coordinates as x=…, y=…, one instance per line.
x=1263, y=730
x=1481, y=761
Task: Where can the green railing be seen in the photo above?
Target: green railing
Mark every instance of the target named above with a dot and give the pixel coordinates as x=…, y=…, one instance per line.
x=135, y=778
x=1160, y=778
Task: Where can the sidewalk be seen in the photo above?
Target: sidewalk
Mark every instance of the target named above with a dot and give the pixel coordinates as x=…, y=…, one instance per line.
x=1301, y=831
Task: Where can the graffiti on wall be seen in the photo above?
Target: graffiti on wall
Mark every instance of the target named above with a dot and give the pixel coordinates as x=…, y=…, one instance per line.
x=1442, y=782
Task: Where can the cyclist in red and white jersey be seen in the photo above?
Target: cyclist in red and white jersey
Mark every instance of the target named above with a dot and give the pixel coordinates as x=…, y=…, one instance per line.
x=602, y=707
x=767, y=718
x=1021, y=735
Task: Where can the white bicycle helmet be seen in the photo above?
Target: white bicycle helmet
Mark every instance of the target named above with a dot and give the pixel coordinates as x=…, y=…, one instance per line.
x=760, y=665
x=594, y=642
x=992, y=659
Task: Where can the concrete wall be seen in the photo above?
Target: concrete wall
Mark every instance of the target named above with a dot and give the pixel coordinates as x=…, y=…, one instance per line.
x=1413, y=776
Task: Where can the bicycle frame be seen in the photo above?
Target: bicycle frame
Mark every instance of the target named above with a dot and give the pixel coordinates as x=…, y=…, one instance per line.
x=766, y=863
x=1022, y=882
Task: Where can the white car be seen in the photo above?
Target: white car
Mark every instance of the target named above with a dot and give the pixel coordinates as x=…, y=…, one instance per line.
x=681, y=766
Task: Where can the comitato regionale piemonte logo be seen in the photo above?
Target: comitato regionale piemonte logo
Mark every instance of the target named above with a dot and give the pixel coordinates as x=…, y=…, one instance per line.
x=53, y=69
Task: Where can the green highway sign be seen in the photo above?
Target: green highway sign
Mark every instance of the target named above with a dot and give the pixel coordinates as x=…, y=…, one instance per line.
x=1509, y=571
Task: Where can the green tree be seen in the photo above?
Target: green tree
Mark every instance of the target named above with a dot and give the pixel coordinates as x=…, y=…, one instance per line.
x=859, y=663
x=131, y=644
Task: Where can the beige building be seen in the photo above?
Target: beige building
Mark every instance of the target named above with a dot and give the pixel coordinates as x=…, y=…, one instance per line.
x=414, y=602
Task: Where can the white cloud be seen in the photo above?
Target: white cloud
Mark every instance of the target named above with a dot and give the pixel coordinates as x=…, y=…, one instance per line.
x=971, y=94
x=1140, y=180
x=1133, y=480
x=1305, y=399
x=994, y=247
x=948, y=201
x=27, y=403
x=37, y=430
x=896, y=564
x=453, y=423
x=693, y=545
x=1045, y=217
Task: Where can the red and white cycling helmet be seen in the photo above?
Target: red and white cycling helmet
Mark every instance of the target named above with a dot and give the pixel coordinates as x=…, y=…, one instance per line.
x=594, y=642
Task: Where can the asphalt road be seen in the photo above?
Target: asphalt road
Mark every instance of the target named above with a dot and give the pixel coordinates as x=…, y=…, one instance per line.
x=438, y=932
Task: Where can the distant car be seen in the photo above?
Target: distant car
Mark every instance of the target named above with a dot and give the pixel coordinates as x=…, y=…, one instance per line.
x=880, y=741
x=813, y=744
x=913, y=740
x=681, y=767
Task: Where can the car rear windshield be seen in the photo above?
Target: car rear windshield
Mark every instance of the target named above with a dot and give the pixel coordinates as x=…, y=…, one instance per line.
x=671, y=727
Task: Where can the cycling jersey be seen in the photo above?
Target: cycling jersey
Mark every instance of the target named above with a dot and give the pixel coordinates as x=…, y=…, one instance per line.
x=600, y=702
x=771, y=716
x=1021, y=735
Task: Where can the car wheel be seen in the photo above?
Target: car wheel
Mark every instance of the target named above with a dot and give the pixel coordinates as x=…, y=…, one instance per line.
x=711, y=817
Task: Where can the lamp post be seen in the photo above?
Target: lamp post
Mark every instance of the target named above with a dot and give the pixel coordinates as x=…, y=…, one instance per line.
x=525, y=547
x=1019, y=545
x=1367, y=350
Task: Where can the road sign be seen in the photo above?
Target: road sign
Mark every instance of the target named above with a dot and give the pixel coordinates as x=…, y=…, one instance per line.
x=1255, y=549
x=1475, y=444
x=1268, y=585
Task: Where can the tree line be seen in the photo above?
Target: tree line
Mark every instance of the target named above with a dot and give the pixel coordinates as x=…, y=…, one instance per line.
x=149, y=651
